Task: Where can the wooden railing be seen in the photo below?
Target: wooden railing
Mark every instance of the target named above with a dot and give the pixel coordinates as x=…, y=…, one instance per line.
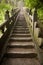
x=37, y=33
x=40, y=25
x=6, y=29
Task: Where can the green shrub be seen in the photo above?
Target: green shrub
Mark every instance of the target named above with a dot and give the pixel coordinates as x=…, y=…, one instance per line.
x=40, y=13
x=3, y=8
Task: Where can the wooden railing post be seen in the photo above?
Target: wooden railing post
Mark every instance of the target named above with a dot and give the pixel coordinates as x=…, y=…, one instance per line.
x=12, y=12
x=3, y=30
x=30, y=13
x=34, y=19
x=7, y=16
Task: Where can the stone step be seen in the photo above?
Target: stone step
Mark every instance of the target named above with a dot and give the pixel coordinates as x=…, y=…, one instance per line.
x=20, y=61
x=21, y=25
x=21, y=52
x=21, y=44
x=19, y=31
x=21, y=21
x=25, y=24
x=26, y=39
x=21, y=28
x=20, y=35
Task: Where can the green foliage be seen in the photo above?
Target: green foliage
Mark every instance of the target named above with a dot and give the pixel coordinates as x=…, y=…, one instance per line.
x=35, y=4
x=40, y=12
x=32, y=3
x=3, y=8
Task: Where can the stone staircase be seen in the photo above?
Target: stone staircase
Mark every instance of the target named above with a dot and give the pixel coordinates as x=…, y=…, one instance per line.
x=21, y=49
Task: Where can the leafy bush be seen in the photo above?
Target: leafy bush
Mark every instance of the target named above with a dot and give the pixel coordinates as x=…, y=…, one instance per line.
x=40, y=13
x=3, y=8
x=35, y=3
